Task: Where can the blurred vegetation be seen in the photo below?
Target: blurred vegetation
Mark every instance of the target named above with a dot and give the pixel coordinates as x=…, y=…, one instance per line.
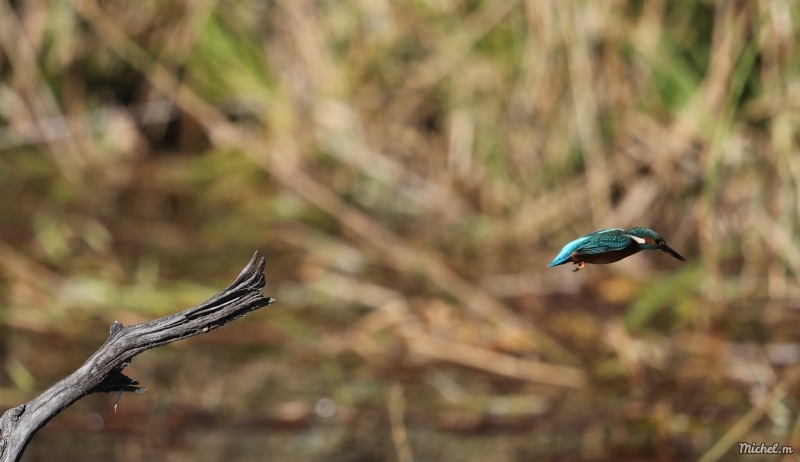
x=408, y=169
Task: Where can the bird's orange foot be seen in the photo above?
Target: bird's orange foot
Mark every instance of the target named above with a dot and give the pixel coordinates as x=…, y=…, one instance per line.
x=578, y=266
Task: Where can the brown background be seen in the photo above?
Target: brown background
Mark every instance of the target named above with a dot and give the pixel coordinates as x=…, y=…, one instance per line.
x=408, y=169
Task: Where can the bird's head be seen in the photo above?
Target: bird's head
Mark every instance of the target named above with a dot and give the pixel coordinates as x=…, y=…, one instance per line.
x=649, y=239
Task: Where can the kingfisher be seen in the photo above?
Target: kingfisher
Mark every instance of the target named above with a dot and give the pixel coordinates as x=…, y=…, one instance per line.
x=610, y=245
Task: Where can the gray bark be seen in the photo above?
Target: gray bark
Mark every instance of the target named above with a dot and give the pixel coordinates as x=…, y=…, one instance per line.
x=102, y=372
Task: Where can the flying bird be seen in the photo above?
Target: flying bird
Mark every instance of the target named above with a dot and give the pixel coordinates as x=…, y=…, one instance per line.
x=610, y=245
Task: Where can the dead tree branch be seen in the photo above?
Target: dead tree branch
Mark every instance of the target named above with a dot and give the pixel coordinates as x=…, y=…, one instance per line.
x=102, y=372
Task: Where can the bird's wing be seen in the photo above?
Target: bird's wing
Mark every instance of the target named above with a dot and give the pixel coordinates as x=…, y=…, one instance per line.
x=605, y=240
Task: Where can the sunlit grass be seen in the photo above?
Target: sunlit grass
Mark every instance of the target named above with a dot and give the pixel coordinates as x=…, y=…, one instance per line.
x=409, y=168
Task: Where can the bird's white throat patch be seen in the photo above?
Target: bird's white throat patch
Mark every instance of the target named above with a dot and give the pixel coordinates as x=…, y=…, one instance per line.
x=636, y=238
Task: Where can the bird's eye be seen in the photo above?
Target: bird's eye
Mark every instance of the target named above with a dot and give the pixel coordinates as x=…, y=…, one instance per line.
x=659, y=242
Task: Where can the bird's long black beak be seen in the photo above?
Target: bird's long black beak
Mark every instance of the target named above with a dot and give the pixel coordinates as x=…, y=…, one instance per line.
x=669, y=250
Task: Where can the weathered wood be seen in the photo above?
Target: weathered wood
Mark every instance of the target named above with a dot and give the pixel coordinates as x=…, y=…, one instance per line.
x=102, y=372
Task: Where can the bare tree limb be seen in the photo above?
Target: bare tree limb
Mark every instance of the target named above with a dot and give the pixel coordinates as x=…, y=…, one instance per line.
x=102, y=372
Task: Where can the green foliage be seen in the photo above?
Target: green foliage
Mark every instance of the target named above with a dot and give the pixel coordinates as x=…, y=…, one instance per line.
x=671, y=291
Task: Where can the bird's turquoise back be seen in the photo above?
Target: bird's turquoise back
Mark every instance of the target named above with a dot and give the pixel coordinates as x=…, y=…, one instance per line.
x=605, y=240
